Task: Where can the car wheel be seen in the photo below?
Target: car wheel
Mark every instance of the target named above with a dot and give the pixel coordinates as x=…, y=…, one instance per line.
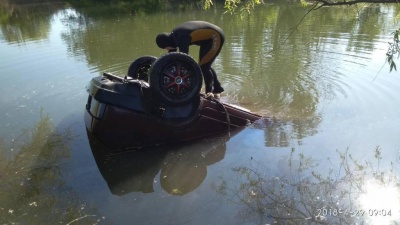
x=175, y=78
x=140, y=67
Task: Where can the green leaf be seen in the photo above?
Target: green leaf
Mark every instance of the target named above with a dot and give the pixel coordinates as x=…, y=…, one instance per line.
x=208, y=4
x=303, y=3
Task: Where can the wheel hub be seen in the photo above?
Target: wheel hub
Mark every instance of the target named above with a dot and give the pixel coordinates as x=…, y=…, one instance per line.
x=177, y=80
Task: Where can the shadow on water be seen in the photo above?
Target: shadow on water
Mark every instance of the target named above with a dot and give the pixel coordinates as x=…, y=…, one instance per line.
x=33, y=186
x=181, y=168
x=306, y=191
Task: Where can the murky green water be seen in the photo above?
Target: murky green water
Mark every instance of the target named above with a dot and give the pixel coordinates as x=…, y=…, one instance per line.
x=327, y=150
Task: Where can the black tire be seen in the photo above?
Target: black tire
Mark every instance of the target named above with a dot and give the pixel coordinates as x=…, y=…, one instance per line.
x=140, y=67
x=175, y=79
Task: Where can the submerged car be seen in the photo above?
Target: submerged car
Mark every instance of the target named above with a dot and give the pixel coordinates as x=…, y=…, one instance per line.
x=158, y=102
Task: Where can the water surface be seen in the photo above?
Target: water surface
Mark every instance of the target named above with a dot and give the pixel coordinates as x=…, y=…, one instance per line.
x=326, y=150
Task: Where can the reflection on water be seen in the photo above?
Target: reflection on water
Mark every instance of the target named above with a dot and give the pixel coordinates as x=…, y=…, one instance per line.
x=281, y=132
x=32, y=185
x=381, y=201
x=181, y=168
x=20, y=24
x=305, y=192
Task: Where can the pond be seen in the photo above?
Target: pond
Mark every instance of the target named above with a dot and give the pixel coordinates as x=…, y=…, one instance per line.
x=326, y=151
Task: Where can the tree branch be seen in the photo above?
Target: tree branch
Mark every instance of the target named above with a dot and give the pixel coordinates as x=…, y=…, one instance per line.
x=352, y=2
x=314, y=7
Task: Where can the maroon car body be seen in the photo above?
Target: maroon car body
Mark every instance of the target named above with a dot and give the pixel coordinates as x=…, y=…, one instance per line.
x=129, y=112
x=120, y=114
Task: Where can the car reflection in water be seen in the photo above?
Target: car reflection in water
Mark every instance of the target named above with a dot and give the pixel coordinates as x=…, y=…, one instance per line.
x=182, y=167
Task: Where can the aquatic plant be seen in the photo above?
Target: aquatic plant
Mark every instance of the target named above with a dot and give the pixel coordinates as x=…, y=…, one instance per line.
x=33, y=190
x=350, y=192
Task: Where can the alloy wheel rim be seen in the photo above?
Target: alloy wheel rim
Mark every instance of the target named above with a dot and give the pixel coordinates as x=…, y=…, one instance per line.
x=177, y=80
